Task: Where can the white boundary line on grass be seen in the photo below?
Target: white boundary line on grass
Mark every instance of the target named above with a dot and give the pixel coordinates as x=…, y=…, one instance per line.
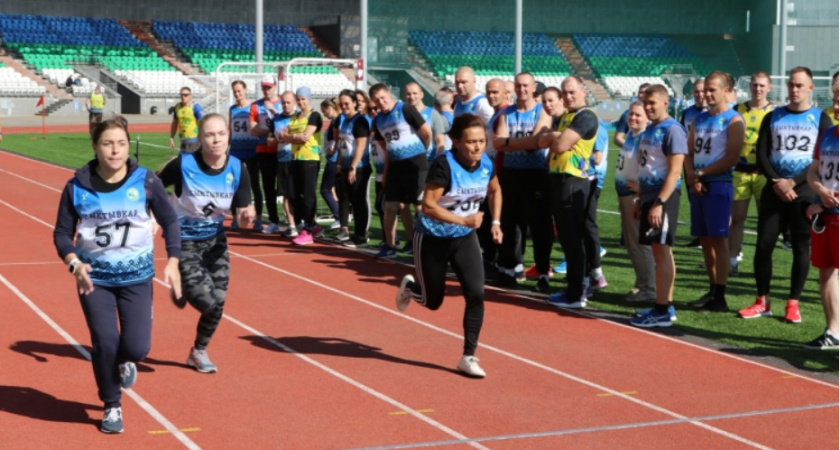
x=146, y=406
x=515, y=357
x=174, y=430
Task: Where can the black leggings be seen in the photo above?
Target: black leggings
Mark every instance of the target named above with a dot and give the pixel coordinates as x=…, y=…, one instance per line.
x=568, y=204
x=592, y=237
x=328, y=182
x=267, y=163
x=379, y=205
x=304, y=183
x=431, y=255
x=357, y=195
x=771, y=215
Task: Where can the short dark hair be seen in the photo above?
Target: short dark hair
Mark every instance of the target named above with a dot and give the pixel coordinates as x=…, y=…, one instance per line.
x=376, y=88
x=239, y=82
x=802, y=69
x=114, y=122
x=462, y=122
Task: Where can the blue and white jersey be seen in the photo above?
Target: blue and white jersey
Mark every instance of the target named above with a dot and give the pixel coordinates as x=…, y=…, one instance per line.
x=449, y=118
x=602, y=144
x=347, y=142
x=627, y=168
x=689, y=114
x=284, y=149
x=828, y=156
x=794, y=136
x=470, y=106
x=426, y=114
x=522, y=124
x=115, y=232
x=656, y=143
x=205, y=198
x=710, y=137
x=401, y=140
x=329, y=140
x=467, y=190
x=490, y=132
x=242, y=144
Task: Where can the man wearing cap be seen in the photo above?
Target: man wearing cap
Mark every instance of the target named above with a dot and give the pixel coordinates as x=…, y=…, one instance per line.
x=185, y=122
x=261, y=119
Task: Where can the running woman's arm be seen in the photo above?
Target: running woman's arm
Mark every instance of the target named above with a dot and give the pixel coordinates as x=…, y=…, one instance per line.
x=166, y=217
x=494, y=201
x=63, y=233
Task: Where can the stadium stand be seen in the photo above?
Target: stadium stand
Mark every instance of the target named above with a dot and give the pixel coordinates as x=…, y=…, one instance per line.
x=490, y=54
x=210, y=44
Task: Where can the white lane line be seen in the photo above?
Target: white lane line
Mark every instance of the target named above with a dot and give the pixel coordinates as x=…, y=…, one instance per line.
x=151, y=410
x=627, y=426
x=175, y=431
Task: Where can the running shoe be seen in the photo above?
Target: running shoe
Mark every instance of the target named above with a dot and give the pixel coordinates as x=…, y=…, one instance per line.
x=652, y=319
x=792, y=312
x=258, y=225
x=761, y=308
x=824, y=342
x=672, y=312
x=404, y=294
x=128, y=374
x=561, y=300
x=335, y=225
x=291, y=232
x=271, y=228
x=112, y=421
x=561, y=267
x=733, y=269
x=304, y=238
x=532, y=274
x=702, y=301
x=469, y=365
x=356, y=242
x=542, y=284
x=386, y=252
x=519, y=275
x=316, y=230
x=603, y=251
x=343, y=236
x=199, y=360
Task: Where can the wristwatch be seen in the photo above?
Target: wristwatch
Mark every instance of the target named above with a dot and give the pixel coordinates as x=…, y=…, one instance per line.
x=658, y=201
x=699, y=173
x=73, y=264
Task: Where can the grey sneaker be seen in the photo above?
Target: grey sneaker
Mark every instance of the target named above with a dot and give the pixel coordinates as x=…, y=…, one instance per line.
x=404, y=294
x=112, y=421
x=271, y=228
x=128, y=374
x=199, y=360
x=343, y=236
x=469, y=365
x=291, y=232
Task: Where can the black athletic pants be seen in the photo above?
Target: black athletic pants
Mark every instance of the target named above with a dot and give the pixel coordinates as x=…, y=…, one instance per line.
x=771, y=215
x=431, y=256
x=525, y=205
x=120, y=323
x=304, y=184
x=267, y=163
x=592, y=236
x=568, y=204
x=356, y=195
x=328, y=182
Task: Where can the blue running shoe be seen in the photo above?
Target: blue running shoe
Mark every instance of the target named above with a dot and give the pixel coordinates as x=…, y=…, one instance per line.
x=112, y=421
x=128, y=374
x=652, y=319
x=560, y=268
x=386, y=252
x=671, y=310
x=603, y=251
x=560, y=300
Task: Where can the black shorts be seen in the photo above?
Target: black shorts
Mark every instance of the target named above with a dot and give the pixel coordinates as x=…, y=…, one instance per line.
x=284, y=179
x=95, y=118
x=406, y=180
x=670, y=213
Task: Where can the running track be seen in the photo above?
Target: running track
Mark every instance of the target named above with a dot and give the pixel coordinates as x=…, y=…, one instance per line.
x=313, y=355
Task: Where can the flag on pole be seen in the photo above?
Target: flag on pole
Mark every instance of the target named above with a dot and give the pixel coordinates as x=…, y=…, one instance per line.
x=40, y=101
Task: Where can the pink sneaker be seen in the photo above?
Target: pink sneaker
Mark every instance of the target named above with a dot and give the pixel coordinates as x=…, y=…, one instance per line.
x=761, y=308
x=792, y=312
x=304, y=238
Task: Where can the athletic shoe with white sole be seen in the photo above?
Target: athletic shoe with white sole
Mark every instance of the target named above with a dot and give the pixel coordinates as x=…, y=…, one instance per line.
x=671, y=312
x=199, y=360
x=824, y=342
x=404, y=296
x=652, y=319
x=128, y=374
x=761, y=308
x=271, y=228
x=561, y=300
x=342, y=236
x=112, y=421
x=469, y=365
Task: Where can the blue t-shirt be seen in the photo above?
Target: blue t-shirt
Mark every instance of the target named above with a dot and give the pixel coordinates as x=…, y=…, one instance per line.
x=710, y=138
x=242, y=144
x=602, y=144
x=522, y=124
x=658, y=142
x=205, y=198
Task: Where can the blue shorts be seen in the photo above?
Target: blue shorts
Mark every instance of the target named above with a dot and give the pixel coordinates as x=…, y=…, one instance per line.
x=710, y=212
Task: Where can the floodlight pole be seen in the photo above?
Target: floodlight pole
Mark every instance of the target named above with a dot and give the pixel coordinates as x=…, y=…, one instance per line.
x=363, y=34
x=258, y=43
x=517, y=63
x=783, y=45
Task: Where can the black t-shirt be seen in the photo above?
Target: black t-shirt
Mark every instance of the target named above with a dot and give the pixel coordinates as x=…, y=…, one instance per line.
x=441, y=174
x=171, y=176
x=315, y=120
x=585, y=124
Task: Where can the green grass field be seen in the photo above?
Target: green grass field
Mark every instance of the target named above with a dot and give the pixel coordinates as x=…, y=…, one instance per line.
x=758, y=337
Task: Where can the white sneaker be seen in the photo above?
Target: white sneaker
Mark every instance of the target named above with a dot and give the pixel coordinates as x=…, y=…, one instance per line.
x=271, y=228
x=404, y=294
x=469, y=365
x=335, y=225
x=291, y=232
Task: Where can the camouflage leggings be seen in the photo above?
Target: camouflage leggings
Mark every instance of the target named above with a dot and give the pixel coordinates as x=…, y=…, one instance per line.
x=205, y=272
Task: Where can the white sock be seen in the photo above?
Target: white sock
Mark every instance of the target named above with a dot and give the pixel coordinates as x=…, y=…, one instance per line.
x=828, y=332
